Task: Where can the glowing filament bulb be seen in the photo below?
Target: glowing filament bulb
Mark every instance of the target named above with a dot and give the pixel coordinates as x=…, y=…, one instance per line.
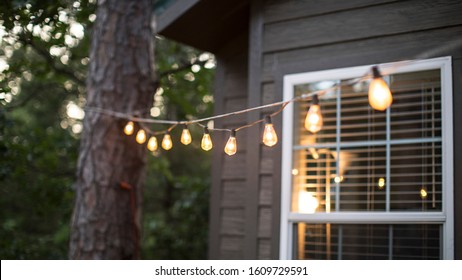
x=206, y=143
x=167, y=141
x=313, y=120
x=185, y=136
x=141, y=136
x=270, y=138
x=379, y=94
x=129, y=128
x=231, y=145
x=423, y=193
x=381, y=183
x=152, y=144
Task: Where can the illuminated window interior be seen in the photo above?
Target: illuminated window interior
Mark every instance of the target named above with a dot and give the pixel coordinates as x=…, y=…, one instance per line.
x=369, y=161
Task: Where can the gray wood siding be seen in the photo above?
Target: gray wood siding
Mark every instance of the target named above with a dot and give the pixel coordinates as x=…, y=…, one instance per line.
x=227, y=206
x=293, y=36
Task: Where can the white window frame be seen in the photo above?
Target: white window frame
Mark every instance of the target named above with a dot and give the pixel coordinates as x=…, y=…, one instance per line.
x=445, y=216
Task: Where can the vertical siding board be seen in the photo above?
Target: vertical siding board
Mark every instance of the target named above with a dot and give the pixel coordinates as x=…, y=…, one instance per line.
x=457, y=122
x=215, y=192
x=264, y=249
x=227, y=207
x=264, y=222
x=233, y=194
x=266, y=191
x=254, y=92
x=269, y=95
x=231, y=247
x=232, y=222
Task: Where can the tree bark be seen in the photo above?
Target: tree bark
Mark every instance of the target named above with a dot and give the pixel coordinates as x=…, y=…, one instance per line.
x=107, y=211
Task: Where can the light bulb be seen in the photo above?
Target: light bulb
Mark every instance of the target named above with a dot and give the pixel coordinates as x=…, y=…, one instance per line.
x=270, y=138
x=423, y=193
x=380, y=97
x=186, y=136
x=129, y=128
x=313, y=120
x=167, y=142
x=206, y=143
x=231, y=145
x=141, y=136
x=152, y=144
x=381, y=183
x=307, y=202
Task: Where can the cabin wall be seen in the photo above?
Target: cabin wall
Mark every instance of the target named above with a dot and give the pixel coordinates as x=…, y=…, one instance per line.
x=227, y=205
x=293, y=36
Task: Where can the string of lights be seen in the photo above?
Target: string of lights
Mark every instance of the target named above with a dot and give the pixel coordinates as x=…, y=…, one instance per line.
x=379, y=95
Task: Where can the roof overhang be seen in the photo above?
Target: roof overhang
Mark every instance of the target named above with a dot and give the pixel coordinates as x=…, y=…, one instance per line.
x=204, y=24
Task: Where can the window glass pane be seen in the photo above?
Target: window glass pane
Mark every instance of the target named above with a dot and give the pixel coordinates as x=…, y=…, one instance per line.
x=328, y=103
x=346, y=167
x=359, y=122
x=362, y=178
x=416, y=177
x=314, y=181
x=416, y=108
x=367, y=241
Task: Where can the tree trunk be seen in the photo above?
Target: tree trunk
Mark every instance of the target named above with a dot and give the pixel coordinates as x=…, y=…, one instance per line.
x=106, y=218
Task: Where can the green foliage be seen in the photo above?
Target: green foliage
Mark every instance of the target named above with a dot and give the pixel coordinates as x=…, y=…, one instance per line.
x=176, y=199
x=47, y=63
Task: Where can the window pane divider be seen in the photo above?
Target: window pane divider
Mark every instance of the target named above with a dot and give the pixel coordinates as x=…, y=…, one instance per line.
x=369, y=143
x=388, y=156
x=369, y=218
x=337, y=148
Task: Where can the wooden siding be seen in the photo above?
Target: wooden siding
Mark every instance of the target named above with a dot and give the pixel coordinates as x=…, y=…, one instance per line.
x=227, y=205
x=302, y=36
x=457, y=99
x=293, y=36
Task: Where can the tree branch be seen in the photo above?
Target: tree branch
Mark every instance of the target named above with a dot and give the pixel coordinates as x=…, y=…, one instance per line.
x=180, y=69
x=28, y=40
